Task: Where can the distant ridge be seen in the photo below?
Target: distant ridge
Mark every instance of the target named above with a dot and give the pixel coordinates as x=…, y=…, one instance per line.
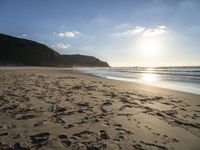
x=84, y=60
x=18, y=51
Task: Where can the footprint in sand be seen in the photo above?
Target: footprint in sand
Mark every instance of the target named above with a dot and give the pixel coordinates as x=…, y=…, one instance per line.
x=64, y=140
x=38, y=123
x=16, y=146
x=40, y=139
x=69, y=126
x=104, y=135
x=3, y=134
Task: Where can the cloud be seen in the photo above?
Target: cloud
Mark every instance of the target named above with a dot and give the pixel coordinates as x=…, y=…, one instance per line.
x=24, y=35
x=68, y=34
x=162, y=27
x=139, y=29
x=131, y=32
x=62, y=46
x=143, y=31
x=155, y=31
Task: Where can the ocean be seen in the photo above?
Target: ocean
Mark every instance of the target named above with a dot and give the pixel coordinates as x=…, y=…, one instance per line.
x=186, y=79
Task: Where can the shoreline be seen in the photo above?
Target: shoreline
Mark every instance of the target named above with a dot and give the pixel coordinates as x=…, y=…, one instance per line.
x=177, y=85
x=92, y=75
x=58, y=108
x=139, y=83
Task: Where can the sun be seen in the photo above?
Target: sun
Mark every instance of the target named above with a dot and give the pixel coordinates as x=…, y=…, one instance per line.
x=149, y=47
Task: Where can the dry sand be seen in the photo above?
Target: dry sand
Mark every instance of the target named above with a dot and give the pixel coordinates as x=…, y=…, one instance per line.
x=55, y=109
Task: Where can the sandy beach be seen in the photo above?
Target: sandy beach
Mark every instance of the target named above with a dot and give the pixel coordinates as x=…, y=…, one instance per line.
x=57, y=109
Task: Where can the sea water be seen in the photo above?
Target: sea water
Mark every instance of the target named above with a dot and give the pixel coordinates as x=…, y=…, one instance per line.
x=186, y=79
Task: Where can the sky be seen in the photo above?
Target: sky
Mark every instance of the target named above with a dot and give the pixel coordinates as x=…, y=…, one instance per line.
x=121, y=32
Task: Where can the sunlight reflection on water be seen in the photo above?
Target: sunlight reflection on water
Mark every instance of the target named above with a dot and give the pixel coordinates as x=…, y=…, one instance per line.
x=147, y=77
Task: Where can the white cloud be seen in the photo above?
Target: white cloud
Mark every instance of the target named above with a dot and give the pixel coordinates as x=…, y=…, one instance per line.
x=131, y=32
x=62, y=45
x=143, y=31
x=68, y=34
x=24, y=35
x=139, y=29
x=155, y=31
x=162, y=27
x=61, y=34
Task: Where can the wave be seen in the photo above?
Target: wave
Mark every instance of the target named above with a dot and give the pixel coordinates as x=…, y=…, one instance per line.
x=173, y=71
x=179, y=78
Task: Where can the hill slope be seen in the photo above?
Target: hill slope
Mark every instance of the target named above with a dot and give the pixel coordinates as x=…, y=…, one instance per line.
x=86, y=61
x=18, y=51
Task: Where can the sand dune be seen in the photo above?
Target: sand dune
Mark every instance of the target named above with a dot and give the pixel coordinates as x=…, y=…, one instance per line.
x=49, y=108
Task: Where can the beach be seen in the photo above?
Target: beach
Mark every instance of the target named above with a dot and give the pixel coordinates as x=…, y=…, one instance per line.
x=58, y=109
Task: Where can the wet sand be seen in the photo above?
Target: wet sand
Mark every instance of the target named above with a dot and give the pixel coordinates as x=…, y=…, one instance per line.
x=57, y=109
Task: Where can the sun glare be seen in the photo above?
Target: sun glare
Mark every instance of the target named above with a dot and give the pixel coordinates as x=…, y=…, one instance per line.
x=149, y=78
x=149, y=47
